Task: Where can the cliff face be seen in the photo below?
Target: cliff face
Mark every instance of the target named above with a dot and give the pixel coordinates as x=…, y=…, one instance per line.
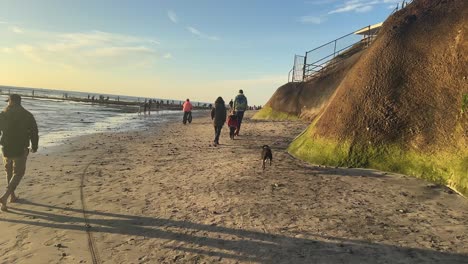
x=400, y=107
x=307, y=99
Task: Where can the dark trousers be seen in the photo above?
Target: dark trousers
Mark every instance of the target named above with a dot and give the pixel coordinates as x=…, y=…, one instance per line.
x=232, y=131
x=187, y=117
x=217, y=133
x=240, y=116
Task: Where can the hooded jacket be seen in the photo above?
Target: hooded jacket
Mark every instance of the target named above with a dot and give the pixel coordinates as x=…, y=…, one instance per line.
x=18, y=128
x=218, y=113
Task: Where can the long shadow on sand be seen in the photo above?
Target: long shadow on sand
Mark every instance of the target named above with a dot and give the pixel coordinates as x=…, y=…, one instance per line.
x=237, y=244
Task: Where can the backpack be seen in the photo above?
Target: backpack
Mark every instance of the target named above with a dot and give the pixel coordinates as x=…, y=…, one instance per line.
x=241, y=103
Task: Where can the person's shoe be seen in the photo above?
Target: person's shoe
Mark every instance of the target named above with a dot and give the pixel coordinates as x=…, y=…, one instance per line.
x=3, y=205
x=13, y=198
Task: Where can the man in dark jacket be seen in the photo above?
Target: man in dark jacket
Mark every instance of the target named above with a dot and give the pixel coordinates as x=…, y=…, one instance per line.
x=18, y=128
x=218, y=115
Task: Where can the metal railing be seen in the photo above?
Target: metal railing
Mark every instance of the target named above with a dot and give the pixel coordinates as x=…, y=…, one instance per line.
x=330, y=54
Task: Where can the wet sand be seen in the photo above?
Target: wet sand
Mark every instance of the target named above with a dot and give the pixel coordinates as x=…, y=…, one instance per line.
x=166, y=195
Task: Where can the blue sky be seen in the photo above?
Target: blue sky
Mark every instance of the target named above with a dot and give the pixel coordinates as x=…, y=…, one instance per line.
x=169, y=49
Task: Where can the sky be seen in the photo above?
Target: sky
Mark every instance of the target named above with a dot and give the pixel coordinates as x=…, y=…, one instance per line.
x=197, y=49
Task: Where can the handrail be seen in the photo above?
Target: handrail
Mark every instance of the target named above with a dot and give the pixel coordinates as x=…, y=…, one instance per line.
x=310, y=69
x=332, y=41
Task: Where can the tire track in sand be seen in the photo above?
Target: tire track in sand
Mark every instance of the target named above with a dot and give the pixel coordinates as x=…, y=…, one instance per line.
x=91, y=243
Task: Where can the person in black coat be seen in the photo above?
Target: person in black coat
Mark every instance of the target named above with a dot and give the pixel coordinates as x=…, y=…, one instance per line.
x=218, y=115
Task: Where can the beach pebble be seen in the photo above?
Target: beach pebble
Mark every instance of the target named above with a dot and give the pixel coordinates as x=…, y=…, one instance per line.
x=58, y=245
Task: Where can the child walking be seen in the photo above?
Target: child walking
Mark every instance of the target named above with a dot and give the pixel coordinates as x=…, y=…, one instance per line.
x=232, y=124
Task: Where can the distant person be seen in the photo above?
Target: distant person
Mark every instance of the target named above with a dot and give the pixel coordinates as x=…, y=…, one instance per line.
x=240, y=105
x=231, y=103
x=150, y=103
x=232, y=124
x=187, y=108
x=218, y=115
x=19, y=129
x=145, y=107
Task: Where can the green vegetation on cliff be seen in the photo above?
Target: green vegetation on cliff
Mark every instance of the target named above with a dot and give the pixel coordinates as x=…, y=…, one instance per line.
x=447, y=168
x=268, y=113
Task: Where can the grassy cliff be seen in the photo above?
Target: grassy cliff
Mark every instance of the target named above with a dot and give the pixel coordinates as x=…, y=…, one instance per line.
x=402, y=106
x=268, y=113
x=443, y=167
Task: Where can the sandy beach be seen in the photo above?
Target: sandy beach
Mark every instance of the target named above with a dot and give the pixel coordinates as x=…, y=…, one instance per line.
x=166, y=195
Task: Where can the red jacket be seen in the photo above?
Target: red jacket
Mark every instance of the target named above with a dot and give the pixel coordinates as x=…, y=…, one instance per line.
x=187, y=107
x=232, y=121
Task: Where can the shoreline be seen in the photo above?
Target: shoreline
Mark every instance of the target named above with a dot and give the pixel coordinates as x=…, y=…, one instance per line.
x=165, y=195
x=144, y=122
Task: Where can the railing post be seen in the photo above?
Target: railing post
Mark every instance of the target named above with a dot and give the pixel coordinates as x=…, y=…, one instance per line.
x=304, y=67
x=368, y=36
x=334, y=50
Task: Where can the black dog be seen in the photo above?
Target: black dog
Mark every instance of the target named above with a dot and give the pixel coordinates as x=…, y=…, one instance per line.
x=266, y=154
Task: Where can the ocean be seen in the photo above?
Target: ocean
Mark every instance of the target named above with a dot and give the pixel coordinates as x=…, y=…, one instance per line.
x=60, y=120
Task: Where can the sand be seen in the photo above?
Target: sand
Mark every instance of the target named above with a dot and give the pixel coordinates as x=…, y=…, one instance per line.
x=166, y=195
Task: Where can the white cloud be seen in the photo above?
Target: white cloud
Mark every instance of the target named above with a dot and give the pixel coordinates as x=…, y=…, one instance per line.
x=6, y=50
x=320, y=2
x=118, y=51
x=87, y=48
x=172, y=16
x=16, y=30
x=194, y=31
x=167, y=56
x=29, y=52
x=198, y=33
x=3, y=22
x=214, y=38
x=311, y=20
x=359, y=6
x=364, y=9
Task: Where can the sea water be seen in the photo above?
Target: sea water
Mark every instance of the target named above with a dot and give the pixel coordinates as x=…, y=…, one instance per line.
x=61, y=120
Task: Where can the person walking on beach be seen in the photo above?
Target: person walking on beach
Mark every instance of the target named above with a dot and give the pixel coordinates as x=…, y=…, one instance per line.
x=218, y=115
x=150, y=103
x=145, y=107
x=187, y=108
x=231, y=103
x=232, y=124
x=240, y=105
x=19, y=129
